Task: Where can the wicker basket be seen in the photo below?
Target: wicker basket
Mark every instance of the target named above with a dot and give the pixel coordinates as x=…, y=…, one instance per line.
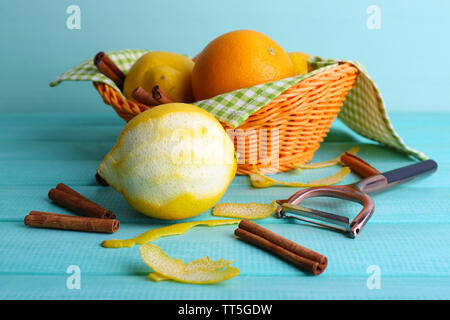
x=292, y=125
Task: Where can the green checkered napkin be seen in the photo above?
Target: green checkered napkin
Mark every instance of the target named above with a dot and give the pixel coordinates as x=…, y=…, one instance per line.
x=363, y=110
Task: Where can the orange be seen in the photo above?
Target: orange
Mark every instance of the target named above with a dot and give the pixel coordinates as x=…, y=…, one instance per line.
x=236, y=60
x=195, y=58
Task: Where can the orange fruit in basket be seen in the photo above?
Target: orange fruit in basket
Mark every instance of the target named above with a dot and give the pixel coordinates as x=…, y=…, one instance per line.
x=236, y=60
x=195, y=58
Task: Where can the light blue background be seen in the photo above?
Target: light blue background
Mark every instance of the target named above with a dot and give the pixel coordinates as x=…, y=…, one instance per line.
x=408, y=57
x=407, y=237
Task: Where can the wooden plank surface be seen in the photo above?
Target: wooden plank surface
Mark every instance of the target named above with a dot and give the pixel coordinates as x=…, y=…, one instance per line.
x=407, y=238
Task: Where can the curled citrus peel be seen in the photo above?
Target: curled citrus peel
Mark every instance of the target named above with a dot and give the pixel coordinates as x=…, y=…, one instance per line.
x=261, y=181
x=335, y=178
x=200, y=264
x=200, y=271
x=153, y=234
x=244, y=210
x=328, y=163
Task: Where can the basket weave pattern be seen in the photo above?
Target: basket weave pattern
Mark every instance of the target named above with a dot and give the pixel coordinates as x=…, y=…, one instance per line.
x=292, y=125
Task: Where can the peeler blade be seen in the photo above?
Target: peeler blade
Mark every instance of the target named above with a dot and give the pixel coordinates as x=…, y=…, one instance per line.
x=334, y=221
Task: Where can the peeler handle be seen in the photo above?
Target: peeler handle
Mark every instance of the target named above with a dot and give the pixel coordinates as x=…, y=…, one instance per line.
x=410, y=171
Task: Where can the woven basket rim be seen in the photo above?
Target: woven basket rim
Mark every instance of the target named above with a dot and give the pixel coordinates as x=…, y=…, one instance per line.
x=306, y=77
x=303, y=113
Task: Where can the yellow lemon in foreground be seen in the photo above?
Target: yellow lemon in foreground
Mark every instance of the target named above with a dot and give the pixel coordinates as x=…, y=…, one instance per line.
x=300, y=61
x=171, y=162
x=170, y=71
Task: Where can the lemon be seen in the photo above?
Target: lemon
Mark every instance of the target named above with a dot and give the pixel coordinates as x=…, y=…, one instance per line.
x=170, y=71
x=173, y=161
x=300, y=61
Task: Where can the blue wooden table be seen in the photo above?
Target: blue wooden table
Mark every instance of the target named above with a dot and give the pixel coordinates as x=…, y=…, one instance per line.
x=405, y=245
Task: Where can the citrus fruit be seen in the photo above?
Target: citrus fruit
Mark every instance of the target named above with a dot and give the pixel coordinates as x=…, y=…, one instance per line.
x=173, y=161
x=171, y=71
x=300, y=61
x=236, y=60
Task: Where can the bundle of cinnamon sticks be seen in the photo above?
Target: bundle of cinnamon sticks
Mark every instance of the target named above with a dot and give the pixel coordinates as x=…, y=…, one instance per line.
x=108, y=68
x=304, y=258
x=157, y=97
x=94, y=217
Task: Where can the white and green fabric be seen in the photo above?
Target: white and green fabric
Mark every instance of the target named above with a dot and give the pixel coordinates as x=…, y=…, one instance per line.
x=363, y=110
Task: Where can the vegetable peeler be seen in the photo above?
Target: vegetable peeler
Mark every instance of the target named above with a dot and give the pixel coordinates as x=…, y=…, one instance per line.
x=356, y=192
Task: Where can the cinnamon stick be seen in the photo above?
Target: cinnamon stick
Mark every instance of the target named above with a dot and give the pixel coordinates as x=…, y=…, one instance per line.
x=108, y=214
x=161, y=96
x=80, y=205
x=100, y=180
x=63, y=187
x=142, y=96
x=358, y=165
x=107, y=67
x=304, y=258
x=38, y=219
